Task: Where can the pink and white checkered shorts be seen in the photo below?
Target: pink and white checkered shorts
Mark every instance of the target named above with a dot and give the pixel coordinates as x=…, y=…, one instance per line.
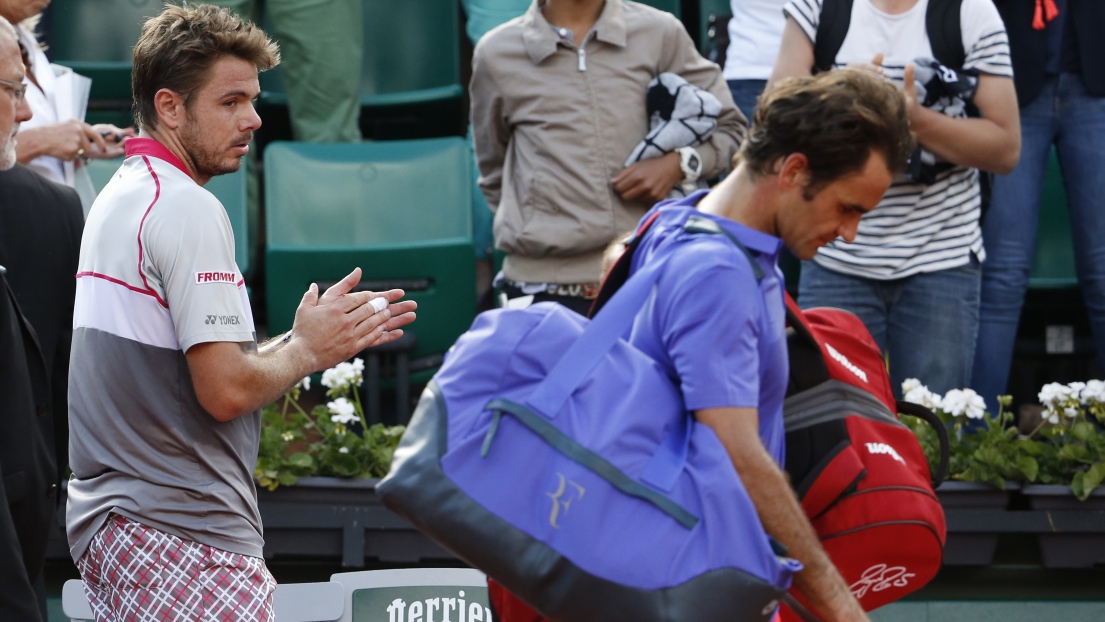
x=134, y=573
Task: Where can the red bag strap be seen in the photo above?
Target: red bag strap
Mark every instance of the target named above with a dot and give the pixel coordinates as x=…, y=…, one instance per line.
x=807, y=363
x=613, y=280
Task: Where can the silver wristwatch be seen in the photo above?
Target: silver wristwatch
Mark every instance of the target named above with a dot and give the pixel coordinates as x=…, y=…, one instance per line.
x=691, y=163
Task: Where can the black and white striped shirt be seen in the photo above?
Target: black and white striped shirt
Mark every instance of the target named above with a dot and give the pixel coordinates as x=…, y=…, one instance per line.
x=916, y=228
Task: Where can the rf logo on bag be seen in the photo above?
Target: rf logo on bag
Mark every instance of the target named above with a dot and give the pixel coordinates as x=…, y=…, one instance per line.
x=566, y=492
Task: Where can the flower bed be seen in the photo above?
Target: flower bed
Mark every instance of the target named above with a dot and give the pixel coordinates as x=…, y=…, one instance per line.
x=1067, y=448
x=332, y=440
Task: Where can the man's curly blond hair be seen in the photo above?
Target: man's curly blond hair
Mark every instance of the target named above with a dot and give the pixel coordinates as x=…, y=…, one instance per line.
x=178, y=47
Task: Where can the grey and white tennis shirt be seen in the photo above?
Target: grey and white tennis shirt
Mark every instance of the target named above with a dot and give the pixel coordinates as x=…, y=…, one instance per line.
x=156, y=277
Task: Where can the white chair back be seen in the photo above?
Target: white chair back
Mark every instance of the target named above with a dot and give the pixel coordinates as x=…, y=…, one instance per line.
x=292, y=602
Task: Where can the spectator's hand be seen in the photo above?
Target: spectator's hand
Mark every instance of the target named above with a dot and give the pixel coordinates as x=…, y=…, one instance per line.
x=649, y=180
x=909, y=87
x=67, y=140
x=113, y=137
x=875, y=66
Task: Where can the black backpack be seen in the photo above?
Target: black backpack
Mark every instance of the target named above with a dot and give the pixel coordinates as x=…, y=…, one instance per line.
x=942, y=21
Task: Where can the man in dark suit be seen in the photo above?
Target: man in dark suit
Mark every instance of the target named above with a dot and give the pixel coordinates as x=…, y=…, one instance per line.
x=40, y=230
x=1058, y=54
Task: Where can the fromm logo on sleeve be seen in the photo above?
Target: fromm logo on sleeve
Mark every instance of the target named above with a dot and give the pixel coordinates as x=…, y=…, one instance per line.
x=216, y=277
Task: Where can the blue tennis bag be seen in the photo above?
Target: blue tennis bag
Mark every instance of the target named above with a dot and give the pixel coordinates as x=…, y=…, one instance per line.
x=554, y=456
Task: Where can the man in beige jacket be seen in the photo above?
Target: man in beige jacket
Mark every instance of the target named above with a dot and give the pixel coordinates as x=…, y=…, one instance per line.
x=558, y=103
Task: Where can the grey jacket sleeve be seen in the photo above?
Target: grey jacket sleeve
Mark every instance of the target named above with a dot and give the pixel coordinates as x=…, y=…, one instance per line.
x=680, y=57
x=490, y=132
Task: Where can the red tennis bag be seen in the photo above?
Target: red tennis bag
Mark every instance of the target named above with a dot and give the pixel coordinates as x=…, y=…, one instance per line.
x=859, y=472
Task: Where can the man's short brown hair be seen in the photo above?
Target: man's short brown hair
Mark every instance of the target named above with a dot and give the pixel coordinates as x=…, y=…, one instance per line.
x=178, y=47
x=835, y=119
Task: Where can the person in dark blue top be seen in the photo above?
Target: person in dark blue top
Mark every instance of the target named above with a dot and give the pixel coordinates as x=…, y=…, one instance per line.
x=821, y=152
x=1058, y=55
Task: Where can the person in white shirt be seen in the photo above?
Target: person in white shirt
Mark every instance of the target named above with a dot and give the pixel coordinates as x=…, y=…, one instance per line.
x=755, y=32
x=912, y=273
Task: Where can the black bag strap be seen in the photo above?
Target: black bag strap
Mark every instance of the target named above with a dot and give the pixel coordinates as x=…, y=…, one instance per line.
x=916, y=410
x=942, y=22
x=807, y=363
x=945, y=31
x=799, y=609
x=620, y=271
x=832, y=27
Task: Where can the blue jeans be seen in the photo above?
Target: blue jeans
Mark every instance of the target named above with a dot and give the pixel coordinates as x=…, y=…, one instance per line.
x=1074, y=121
x=925, y=324
x=745, y=93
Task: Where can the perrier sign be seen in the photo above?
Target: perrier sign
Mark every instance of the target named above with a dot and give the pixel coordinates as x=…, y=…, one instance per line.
x=447, y=603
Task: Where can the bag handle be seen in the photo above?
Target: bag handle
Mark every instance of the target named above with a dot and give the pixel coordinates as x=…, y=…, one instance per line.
x=916, y=410
x=597, y=339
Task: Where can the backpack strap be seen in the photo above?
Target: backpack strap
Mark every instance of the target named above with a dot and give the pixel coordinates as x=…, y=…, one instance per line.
x=807, y=363
x=832, y=27
x=942, y=22
x=620, y=271
x=945, y=31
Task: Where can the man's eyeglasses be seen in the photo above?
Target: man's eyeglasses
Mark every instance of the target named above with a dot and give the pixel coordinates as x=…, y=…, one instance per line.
x=17, y=89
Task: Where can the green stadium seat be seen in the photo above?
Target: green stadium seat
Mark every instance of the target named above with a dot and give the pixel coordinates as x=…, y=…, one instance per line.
x=705, y=8
x=410, y=78
x=96, y=38
x=230, y=190
x=482, y=217
x=400, y=210
x=483, y=15
x=1053, y=266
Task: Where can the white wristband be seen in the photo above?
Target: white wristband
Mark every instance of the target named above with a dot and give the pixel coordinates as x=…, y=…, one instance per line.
x=379, y=304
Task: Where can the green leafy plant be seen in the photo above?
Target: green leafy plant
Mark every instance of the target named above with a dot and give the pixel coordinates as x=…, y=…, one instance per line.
x=1066, y=448
x=1073, y=447
x=333, y=439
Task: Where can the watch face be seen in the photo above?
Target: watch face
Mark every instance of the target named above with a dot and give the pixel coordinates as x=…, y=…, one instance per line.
x=693, y=162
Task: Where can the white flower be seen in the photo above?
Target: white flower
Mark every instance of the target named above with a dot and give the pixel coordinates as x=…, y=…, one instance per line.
x=342, y=411
x=287, y=436
x=304, y=384
x=1053, y=394
x=1076, y=389
x=920, y=394
x=1052, y=416
x=960, y=402
x=1093, y=393
x=343, y=450
x=343, y=375
x=1070, y=412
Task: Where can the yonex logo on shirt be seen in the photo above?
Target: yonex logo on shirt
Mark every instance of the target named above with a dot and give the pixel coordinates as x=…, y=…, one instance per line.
x=223, y=320
x=216, y=277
